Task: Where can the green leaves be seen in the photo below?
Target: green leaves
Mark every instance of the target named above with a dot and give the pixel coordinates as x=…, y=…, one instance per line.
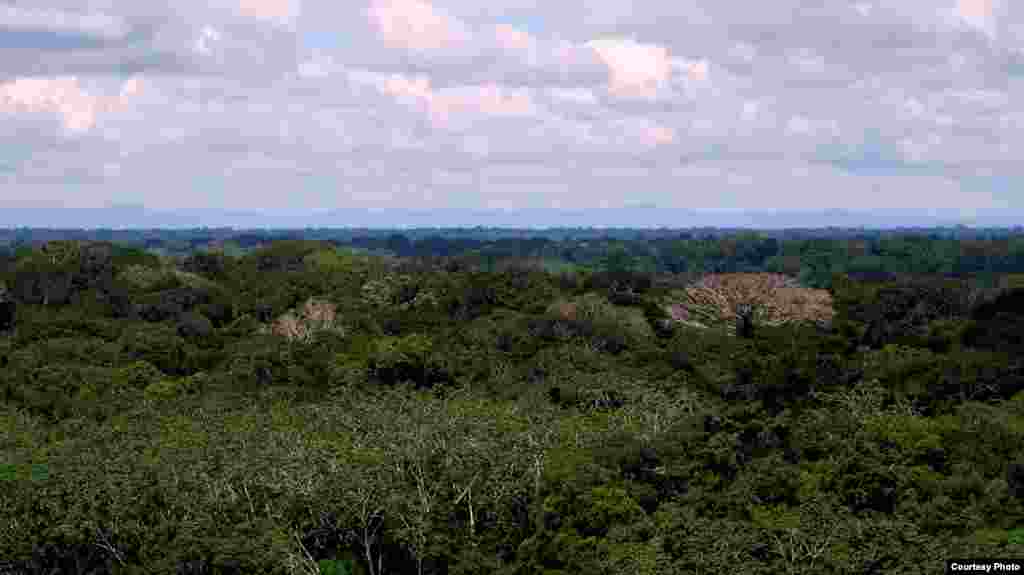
x=165, y=388
x=775, y=518
x=146, y=278
x=34, y=472
x=403, y=359
x=136, y=375
x=336, y=567
x=157, y=344
x=565, y=437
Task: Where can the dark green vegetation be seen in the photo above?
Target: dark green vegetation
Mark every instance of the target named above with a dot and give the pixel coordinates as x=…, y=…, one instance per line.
x=441, y=416
x=813, y=256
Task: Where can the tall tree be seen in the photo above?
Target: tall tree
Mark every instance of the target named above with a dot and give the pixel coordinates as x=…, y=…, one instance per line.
x=744, y=300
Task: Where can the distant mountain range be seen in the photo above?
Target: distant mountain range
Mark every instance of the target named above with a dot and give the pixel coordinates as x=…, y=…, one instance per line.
x=136, y=216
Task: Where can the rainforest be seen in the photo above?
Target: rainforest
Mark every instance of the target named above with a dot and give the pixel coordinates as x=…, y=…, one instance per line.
x=471, y=402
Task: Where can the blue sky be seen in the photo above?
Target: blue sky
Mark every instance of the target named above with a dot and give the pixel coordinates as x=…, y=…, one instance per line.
x=321, y=40
x=298, y=105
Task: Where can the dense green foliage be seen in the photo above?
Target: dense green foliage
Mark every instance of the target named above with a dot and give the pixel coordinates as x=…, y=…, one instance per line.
x=450, y=417
x=813, y=256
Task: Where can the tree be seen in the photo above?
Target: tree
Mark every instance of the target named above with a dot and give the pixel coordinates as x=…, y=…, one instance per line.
x=742, y=300
x=618, y=259
x=7, y=309
x=302, y=325
x=901, y=308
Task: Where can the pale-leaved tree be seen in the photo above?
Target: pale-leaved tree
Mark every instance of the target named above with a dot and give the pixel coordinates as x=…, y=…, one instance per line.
x=742, y=300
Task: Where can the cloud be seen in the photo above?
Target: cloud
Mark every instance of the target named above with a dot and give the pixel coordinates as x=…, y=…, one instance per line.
x=657, y=135
x=637, y=70
x=206, y=39
x=93, y=25
x=584, y=96
x=514, y=40
x=125, y=38
x=280, y=12
x=514, y=102
x=978, y=14
x=415, y=25
x=77, y=109
x=455, y=108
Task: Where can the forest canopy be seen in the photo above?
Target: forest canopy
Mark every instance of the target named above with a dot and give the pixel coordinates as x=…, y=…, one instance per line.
x=430, y=403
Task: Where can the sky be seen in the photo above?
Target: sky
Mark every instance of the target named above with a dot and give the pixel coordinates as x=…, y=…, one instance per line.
x=314, y=105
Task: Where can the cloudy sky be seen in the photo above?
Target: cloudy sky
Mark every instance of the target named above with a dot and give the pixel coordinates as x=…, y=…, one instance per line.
x=324, y=104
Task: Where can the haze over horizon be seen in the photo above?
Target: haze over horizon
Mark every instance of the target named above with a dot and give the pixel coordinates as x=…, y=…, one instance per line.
x=194, y=109
x=128, y=216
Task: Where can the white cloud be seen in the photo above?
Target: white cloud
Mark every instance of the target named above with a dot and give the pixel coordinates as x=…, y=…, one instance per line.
x=637, y=70
x=750, y=111
x=207, y=38
x=658, y=135
x=513, y=39
x=281, y=12
x=743, y=51
x=77, y=109
x=574, y=95
x=131, y=88
x=826, y=102
x=798, y=125
x=416, y=25
x=979, y=14
x=456, y=107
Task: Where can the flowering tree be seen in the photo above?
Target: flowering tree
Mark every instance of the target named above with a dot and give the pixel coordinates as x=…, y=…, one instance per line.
x=748, y=299
x=315, y=315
